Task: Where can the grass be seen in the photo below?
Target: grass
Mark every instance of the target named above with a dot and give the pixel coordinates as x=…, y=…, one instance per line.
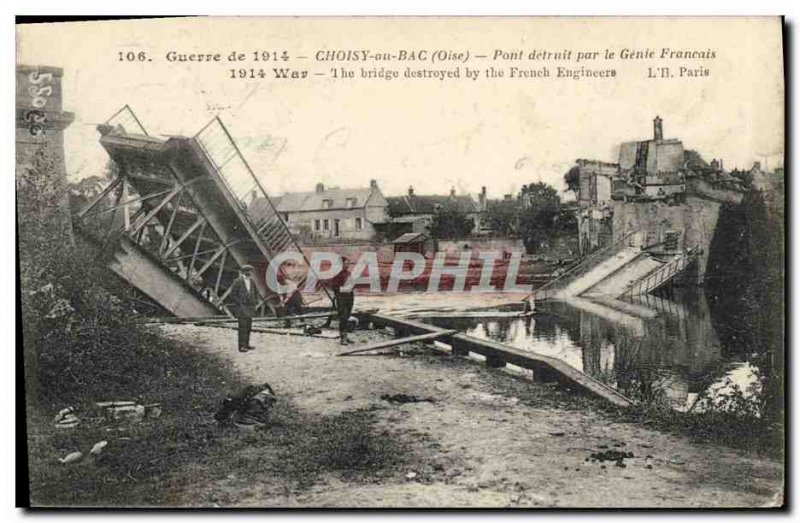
x=174, y=459
x=713, y=427
x=710, y=427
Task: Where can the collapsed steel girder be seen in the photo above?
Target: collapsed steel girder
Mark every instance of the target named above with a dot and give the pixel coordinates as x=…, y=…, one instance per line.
x=181, y=217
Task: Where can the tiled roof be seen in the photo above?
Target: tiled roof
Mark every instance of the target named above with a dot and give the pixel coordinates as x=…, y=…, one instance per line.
x=411, y=237
x=313, y=200
x=428, y=204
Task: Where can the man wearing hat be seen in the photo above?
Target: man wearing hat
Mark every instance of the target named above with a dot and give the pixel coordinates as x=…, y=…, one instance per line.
x=245, y=297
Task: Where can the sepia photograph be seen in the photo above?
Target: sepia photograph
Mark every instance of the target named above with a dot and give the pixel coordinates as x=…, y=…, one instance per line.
x=401, y=262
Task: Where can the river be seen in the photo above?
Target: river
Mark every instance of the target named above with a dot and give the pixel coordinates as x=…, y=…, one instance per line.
x=674, y=357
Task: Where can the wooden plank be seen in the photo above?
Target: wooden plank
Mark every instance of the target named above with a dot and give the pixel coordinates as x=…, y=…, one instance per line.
x=408, y=324
x=400, y=341
x=308, y=316
x=271, y=319
x=172, y=319
x=464, y=314
x=283, y=332
x=499, y=352
x=531, y=360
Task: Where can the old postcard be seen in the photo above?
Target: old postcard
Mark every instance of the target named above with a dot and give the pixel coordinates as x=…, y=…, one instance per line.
x=402, y=262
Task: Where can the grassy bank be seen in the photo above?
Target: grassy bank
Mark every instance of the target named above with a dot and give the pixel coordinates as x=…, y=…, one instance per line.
x=151, y=463
x=731, y=429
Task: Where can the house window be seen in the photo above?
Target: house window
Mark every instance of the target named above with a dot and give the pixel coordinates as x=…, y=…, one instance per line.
x=327, y=203
x=326, y=225
x=359, y=224
x=350, y=203
x=316, y=225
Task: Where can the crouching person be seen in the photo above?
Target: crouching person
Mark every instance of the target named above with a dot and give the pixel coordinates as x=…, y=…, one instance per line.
x=290, y=300
x=245, y=297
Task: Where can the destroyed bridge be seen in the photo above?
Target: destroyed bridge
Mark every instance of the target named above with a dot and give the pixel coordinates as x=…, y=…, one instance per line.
x=176, y=221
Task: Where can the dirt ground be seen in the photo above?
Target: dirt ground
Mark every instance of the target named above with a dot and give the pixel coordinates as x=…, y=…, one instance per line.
x=489, y=439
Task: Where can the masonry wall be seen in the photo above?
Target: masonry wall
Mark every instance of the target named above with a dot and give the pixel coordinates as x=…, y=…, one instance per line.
x=483, y=245
x=302, y=223
x=696, y=220
x=40, y=123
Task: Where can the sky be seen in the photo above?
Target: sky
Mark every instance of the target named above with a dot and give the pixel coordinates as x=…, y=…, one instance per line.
x=429, y=134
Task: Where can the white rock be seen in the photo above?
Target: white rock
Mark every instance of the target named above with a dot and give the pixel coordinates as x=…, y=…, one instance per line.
x=98, y=447
x=71, y=458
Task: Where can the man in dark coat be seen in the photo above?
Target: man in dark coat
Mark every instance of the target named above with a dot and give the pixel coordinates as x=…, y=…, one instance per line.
x=245, y=297
x=342, y=286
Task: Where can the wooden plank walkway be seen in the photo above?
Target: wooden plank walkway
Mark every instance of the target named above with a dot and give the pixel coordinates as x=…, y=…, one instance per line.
x=464, y=314
x=285, y=332
x=498, y=354
x=401, y=341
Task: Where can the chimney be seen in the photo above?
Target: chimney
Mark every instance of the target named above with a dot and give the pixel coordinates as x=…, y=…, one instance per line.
x=721, y=168
x=373, y=184
x=320, y=188
x=482, y=198
x=658, y=129
x=452, y=192
x=411, y=190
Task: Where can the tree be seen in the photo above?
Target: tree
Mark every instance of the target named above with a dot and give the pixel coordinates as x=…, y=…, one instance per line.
x=450, y=223
x=503, y=216
x=539, y=214
x=572, y=179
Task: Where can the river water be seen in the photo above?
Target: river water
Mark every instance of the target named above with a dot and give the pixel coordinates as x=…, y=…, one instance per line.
x=674, y=356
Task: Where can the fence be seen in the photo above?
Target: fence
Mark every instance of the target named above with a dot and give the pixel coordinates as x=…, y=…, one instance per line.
x=126, y=120
x=229, y=163
x=583, y=266
x=661, y=275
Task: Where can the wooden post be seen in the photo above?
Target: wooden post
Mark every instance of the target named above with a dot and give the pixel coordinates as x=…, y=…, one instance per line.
x=459, y=349
x=494, y=362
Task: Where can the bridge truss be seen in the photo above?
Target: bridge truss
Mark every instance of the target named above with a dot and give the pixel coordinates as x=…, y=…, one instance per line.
x=181, y=215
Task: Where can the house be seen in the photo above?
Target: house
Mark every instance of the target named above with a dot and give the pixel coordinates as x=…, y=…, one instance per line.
x=413, y=213
x=332, y=213
x=414, y=242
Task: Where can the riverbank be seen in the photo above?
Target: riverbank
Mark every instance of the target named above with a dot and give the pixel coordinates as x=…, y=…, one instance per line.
x=479, y=438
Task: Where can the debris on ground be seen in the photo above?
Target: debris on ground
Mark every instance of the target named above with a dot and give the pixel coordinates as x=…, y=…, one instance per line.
x=153, y=410
x=129, y=411
x=71, y=458
x=493, y=400
x=611, y=455
x=405, y=398
x=249, y=408
x=98, y=447
x=66, y=419
x=311, y=330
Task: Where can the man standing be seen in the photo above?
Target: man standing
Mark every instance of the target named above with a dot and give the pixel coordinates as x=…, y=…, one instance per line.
x=342, y=285
x=245, y=297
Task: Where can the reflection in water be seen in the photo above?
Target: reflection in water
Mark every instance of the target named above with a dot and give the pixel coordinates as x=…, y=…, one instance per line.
x=673, y=360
